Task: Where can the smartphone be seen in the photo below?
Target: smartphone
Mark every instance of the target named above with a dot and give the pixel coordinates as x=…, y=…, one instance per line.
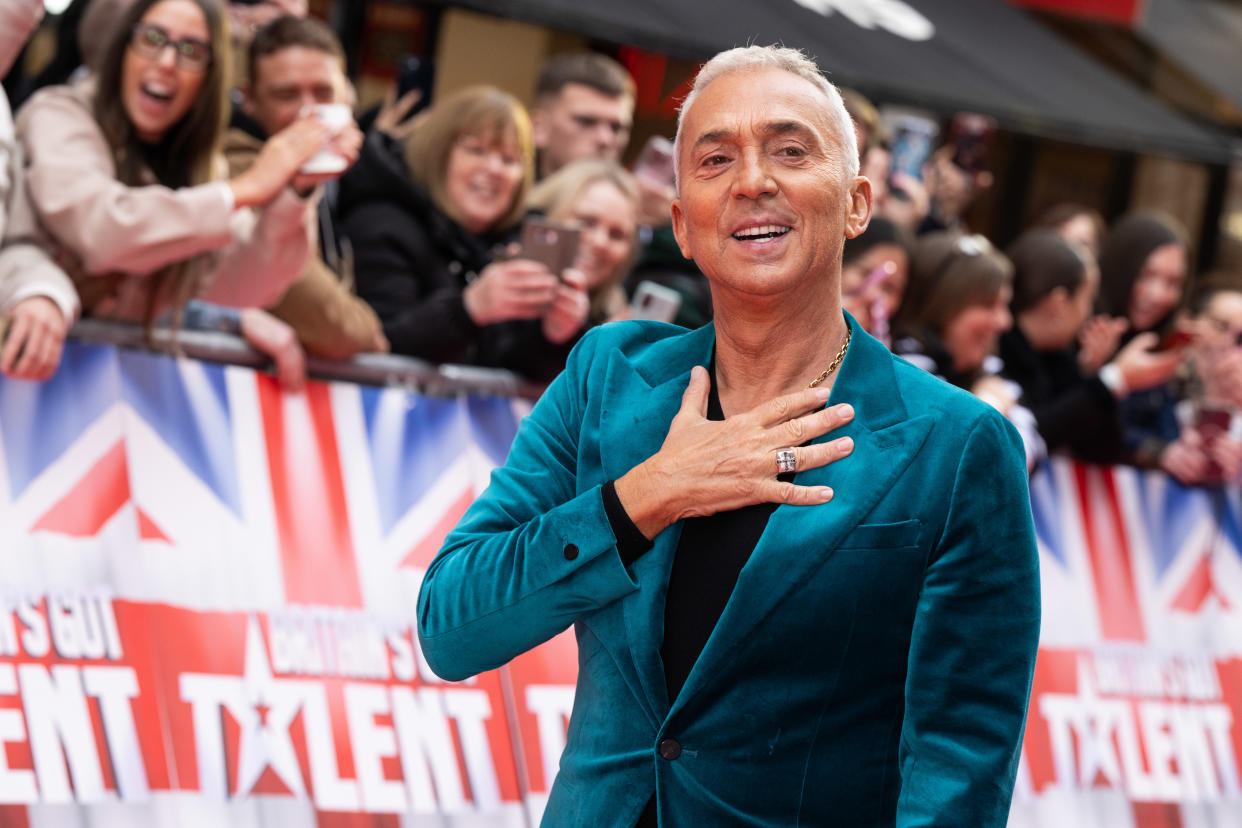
x=971, y=136
x=914, y=137
x=1212, y=423
x=655, y=161
x=554, y=245
x=1173, y=339
x=654, y=301
x=416, y=73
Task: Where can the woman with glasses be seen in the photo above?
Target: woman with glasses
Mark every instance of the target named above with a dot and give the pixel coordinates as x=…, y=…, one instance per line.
x=955, y=309
x=125, y=175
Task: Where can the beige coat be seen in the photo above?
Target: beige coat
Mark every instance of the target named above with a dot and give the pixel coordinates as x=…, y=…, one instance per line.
x=110, y=236
x=25, y=269
x=330, y=321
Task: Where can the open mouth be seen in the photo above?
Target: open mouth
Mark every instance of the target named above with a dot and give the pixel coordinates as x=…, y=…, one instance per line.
x=157, y=93
x=767, y=231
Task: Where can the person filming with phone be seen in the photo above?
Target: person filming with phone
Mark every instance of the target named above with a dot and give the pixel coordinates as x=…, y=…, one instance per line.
x=801, y=572
x=433, y=222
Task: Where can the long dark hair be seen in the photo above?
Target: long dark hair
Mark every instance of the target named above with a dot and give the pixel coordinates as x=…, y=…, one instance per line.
x=188, y=153
x=1125, y=250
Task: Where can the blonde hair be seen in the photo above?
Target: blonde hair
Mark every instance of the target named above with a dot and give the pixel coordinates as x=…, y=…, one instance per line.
x=482, y=111
x=559, y=192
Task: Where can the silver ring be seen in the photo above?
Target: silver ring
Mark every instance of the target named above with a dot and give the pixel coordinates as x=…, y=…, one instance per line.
x=786, y=461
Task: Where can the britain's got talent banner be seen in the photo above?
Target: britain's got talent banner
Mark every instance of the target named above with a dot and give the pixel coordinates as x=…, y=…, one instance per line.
x=206, y=618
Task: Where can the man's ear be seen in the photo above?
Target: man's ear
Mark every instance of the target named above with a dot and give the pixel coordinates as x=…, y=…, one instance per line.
x=679, y=228
x=859, y=215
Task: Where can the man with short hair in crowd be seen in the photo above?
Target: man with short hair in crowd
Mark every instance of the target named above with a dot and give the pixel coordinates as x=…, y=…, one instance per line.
x=584, y=108
x=295, y=63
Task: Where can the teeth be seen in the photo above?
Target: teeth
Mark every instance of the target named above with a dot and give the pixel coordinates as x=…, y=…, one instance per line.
x=765, y=232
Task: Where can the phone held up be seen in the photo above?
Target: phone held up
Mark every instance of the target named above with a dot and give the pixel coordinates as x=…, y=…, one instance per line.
x=552, y=244
x=416, y=73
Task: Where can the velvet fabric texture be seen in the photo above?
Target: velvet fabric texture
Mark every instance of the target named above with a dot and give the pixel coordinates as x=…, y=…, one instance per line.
x=873, y=664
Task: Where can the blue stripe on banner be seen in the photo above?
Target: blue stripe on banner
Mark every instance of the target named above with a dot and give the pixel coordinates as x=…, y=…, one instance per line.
x=39, y=421
x=494, y=425
x=190, y=411
x=1044, y=498
x=412, y=440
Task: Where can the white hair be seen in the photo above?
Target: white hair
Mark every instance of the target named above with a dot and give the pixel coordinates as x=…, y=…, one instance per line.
x=794, y=61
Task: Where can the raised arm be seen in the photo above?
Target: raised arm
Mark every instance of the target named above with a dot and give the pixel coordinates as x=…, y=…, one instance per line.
x=111, y=227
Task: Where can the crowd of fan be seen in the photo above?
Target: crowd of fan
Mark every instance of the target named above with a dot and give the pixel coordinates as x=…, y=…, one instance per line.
x=144, y=188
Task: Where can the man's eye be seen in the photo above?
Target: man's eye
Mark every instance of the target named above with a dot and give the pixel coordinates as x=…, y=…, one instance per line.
x=715, y=160
x=792, y=152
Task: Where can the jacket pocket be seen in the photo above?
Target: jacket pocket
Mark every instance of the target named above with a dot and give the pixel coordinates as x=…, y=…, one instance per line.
x=902, y=535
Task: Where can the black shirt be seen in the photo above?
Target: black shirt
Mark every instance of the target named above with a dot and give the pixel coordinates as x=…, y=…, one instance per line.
x=710, y=556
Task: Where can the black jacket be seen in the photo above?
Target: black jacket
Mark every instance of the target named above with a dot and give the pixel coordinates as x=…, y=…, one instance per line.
x=1073, y=412
x=411, y=264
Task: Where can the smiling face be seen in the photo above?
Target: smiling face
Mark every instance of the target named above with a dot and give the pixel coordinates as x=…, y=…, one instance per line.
x=1158, y=288
x=763, y=208
x=482, y=178
x=972, y=333
x=608, y=221
x=158, y=91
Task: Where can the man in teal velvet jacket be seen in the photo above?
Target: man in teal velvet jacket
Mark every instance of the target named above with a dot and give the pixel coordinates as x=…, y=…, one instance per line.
x=872, y=663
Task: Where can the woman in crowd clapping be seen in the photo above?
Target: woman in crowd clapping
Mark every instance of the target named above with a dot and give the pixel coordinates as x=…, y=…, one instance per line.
x=126, y=181
x=601, y=199
x=432, y=221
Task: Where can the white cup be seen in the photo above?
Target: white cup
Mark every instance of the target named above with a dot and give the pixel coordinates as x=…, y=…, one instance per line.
x=335, y=117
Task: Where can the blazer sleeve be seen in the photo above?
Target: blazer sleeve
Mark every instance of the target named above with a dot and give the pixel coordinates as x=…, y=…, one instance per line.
x=532, y=554
x=973, y=643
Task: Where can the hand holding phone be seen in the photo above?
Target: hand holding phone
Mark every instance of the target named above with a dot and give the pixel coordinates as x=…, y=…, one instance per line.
x=550, y=243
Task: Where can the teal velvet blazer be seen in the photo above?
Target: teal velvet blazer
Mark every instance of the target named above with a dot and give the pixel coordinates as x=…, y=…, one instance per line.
x=874, y=662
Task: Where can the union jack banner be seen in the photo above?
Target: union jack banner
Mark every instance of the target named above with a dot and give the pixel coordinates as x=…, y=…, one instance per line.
x=206, y=609
x=206, y=605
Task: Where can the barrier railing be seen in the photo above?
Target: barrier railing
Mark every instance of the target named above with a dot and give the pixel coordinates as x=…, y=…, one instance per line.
x=207, y=590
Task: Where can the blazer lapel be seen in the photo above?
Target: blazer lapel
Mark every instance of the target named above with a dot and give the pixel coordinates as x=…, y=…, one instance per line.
x=798, y=540
x=640, y=399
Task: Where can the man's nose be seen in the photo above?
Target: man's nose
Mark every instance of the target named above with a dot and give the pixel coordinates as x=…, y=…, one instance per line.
x=752, y=178
x=605, y=135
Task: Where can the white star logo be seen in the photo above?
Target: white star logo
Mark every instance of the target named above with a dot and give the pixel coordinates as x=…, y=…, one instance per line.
x=264, y=718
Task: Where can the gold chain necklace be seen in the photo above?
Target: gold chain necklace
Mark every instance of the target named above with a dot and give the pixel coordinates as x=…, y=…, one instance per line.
x=836, y=362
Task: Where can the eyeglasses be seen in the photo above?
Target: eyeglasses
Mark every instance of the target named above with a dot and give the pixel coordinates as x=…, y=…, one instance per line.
x=149, y=41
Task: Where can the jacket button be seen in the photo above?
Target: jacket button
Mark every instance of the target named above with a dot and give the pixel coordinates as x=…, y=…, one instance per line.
x=571, y=552
x=670, y=749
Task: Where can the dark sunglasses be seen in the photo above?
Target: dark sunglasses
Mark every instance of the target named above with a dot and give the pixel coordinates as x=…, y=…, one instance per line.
x=149, y=41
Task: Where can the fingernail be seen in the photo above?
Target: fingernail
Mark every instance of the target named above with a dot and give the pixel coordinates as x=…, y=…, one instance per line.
x=825, y=494
x=846, y=411
x=846, y=445
x=821, y=394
